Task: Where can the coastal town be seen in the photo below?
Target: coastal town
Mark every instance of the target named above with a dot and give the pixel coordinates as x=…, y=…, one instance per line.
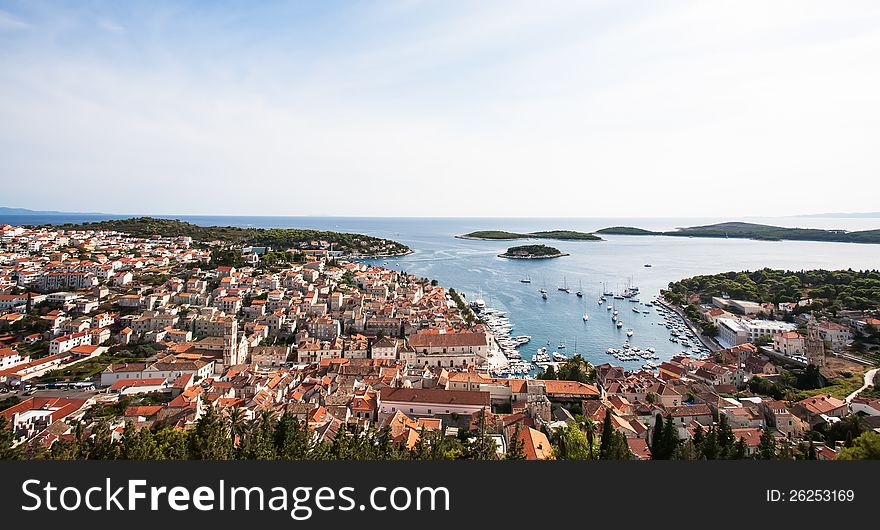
x=108, y=339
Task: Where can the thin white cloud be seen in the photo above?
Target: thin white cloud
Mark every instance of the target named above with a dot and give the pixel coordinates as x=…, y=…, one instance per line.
x=109, y=25
x=508, y=109
x=8, y=21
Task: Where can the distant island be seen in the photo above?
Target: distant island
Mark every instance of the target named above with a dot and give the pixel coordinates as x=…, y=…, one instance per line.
x=739, y=230
x=842, y=215
x=353, y=245
x=532, y=252
x=502, y=235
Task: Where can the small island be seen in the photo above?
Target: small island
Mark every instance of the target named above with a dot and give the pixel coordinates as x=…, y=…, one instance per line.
x=737, y=230
x=503, y=235
x=532, y=252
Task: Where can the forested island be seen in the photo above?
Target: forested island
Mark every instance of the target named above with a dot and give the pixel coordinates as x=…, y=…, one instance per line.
x=502, y=235
x=739, y=230
x=278, y=238
x=532, y=252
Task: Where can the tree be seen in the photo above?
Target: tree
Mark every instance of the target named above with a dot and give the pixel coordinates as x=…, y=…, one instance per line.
x=7, y=439
x=865, y=447
x=588, y=427
x=548, y=374
x=670, y=437
x=291, y=440
x=482, y=446
x=740, y=450
x=210, y=439
x=606, y=441
x=137, y=444
x=100, y=445
x=572, y=444
x=516, y=446
x=258, y=442
x=171, y=444
x=657, y=450
x=237, y=425
x=767, y=446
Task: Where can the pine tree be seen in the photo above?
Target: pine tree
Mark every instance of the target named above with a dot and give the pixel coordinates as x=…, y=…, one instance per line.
x=291, y=440
x=515, y=446
x=607, y=436
x=726, y=439
x=482, y=446
x=7, y=440
x=710, y=449
x=210, y=440
x=137, y=444
x=172, y=444
x=101, y=446
x=657, y=449
x=258, y=441
x=686, y=451
x=739, y=451
x=670, y=438
x=766, y=447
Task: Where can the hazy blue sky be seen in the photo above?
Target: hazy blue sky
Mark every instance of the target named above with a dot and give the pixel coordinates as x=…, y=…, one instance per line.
x=453, y=108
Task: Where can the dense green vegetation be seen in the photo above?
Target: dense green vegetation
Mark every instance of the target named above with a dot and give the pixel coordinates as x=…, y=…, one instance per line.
x=567, y=235
x=830, y=290
x=574, y=369
x=756, y=231
x=269, y=436
x=626, y=231
x=532, y=251
x=279, y=238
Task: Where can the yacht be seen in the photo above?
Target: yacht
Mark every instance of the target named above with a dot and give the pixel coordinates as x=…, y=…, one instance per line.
x=561, y=346
x=629, y=332
x=559, y=357
x=586, y=317
x=564, y=288
x=648, y=265
x=527, y=279
x=544, y=296
x=619, y=324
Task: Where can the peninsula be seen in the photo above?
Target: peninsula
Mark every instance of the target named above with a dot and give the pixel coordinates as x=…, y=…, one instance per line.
x=353, y=245
x=739, y=230
x=502, y=235
x=532, y=252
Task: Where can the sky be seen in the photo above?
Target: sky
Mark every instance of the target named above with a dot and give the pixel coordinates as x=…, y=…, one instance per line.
x=441, y=108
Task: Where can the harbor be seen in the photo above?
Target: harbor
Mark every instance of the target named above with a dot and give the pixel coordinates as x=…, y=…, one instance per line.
x=514, y=354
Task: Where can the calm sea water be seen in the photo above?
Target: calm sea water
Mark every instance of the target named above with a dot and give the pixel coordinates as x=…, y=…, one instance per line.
x=472, y=266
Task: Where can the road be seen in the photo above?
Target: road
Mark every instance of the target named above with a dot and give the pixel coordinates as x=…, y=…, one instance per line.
x=869, y=378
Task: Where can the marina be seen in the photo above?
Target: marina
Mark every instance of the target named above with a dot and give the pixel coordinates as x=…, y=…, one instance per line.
x=519, y=362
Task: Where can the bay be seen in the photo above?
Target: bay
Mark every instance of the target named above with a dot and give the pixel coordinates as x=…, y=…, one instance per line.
x=473, y=266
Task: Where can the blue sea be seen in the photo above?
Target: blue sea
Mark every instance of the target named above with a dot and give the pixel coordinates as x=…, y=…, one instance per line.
x=473, y=266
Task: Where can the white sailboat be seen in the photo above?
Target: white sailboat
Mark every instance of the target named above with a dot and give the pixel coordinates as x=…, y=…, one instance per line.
x=564, y=288
x=586, y=317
